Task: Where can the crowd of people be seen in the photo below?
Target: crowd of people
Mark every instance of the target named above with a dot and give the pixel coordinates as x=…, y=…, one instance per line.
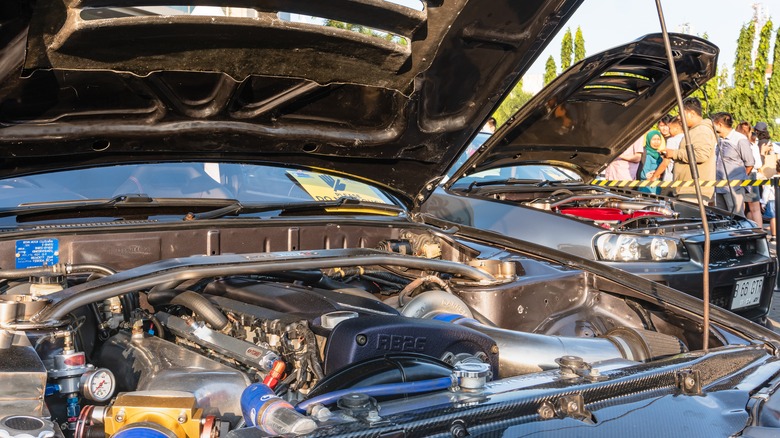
x=722, y=152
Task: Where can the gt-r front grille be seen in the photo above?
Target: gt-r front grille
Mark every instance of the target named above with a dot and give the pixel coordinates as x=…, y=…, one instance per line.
x=724, y=251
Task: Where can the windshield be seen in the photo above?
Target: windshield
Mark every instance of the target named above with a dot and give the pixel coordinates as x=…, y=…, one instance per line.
x=532, y=172
x=537, y=172
x=244, y=182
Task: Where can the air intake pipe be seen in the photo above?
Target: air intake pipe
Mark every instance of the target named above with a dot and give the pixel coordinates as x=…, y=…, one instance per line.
x=640, y=206
x=524, y=353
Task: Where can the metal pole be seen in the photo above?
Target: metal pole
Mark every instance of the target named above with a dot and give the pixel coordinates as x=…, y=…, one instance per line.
x=776, y=188
x=695, y=174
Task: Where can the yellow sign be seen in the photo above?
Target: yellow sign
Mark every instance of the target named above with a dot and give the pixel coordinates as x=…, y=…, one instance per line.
x=324, y=187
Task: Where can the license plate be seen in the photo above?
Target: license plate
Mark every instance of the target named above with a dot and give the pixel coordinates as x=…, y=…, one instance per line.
x=747, y=292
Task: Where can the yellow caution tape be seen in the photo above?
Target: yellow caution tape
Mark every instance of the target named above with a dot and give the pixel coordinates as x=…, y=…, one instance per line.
x=674, y=184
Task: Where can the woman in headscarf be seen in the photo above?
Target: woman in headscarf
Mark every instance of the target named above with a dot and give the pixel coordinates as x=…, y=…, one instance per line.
x=653, y=162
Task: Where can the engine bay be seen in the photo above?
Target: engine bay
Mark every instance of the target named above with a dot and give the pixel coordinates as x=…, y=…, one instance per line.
x=609, y=209
x=290, y=341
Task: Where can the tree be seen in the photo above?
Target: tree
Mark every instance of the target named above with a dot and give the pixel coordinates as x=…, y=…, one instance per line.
x=566, y=50
x=773, y=90
x=758, y=80
x=710, y=96
x=550, y=71
x=738, y=97
x=513, y=102
x=723, y=80
x=579, y=45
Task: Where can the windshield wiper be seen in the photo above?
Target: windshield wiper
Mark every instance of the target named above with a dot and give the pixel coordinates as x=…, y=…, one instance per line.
x=128, y=201
x=226, y=206
x=564, y=181
x=290, y=207
x=507, y=181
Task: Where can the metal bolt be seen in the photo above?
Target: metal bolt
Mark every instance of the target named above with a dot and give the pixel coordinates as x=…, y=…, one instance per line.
x=361, y=339
x=373, y=416
x=546, y=411
x=494, y=349
x=182, y=418
x=690, y=382
x=573, y=406
x=320, y=412
x=458, y=430
x=120, y=416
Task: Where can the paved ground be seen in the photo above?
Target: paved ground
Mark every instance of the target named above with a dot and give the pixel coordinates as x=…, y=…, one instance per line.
x=774, y=309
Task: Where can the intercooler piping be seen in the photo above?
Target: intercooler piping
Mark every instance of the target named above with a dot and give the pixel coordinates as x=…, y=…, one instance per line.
x=525, y=353
x=243, y=351
x=629, y=205
x=569, y=199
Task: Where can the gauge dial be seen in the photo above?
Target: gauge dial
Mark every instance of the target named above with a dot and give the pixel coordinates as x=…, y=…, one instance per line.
x=98, y=385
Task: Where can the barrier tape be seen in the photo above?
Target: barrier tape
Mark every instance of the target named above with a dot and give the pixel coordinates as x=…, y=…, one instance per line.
x=675, y=184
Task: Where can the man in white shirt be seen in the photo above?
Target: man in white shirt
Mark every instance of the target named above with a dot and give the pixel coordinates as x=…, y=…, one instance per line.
x=673, y=142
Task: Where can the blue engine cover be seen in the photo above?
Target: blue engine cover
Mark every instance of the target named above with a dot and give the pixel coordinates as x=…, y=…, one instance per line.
x=367, y=337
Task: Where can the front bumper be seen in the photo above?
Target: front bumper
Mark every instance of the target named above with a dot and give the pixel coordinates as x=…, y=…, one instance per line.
x=687, y=276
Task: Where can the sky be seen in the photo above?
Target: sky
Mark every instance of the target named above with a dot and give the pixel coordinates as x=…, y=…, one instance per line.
x=609, y=23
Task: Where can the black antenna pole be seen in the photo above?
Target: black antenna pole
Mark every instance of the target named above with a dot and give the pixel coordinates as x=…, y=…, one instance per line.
x=695, y=174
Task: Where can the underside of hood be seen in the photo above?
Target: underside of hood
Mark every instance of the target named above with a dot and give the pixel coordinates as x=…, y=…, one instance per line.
x=95, y=82
x=592, y=112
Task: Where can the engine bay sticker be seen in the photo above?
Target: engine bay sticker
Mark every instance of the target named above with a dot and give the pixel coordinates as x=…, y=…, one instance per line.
x=324, y=187
x=36, y=253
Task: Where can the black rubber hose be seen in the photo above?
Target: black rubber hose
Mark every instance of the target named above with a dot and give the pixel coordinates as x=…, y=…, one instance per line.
x=161, y=296
x=127, y=306
x=388, y=276
x=158, y=326
x=313, y=278
x=168, y=285
x=202, y=307
x=381, y=282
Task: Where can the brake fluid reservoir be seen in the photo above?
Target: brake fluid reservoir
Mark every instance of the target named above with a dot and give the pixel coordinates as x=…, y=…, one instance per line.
x=42, y=286
x=38, y=286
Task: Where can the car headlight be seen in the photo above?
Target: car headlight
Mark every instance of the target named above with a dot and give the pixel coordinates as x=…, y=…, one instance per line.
x=635, y=248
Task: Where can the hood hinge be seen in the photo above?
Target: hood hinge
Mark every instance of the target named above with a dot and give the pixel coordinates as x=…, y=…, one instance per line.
x=424, y=193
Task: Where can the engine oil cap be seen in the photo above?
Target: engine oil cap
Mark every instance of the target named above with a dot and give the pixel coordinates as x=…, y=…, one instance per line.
x=355, y=401
x=472, y=375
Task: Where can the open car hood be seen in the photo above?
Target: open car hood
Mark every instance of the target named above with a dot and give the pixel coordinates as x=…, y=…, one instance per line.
x=87, y=82
x=593, y=111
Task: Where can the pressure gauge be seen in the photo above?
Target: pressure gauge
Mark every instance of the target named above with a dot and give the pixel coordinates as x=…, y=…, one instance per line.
x=98, y=385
